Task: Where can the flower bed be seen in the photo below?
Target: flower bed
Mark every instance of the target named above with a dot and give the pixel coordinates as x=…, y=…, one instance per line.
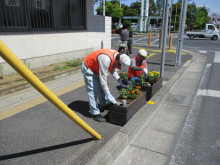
x=120, y=115
x=135, y=99
x=151, y=90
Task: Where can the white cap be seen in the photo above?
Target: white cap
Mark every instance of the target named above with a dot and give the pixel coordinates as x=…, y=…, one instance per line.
x=143, y=52
x=125, y=60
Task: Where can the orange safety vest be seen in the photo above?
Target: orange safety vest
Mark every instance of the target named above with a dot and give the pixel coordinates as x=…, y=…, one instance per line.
x=133, y=72
x=91, y=60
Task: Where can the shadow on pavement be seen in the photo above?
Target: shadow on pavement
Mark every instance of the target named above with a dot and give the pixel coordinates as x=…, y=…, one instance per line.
x=80, y=106
x=45, y=149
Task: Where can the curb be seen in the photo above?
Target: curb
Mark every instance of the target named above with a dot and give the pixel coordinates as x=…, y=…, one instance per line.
x=115, y=147
x=25, y=85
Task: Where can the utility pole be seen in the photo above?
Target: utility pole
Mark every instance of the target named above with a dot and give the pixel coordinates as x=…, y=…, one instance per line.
x=182, y=25
x=162, y=25
x=170, y=16
x=175, y=19
x=103, y=6
x=190, y=25
x=120, y=18
x=166, y=7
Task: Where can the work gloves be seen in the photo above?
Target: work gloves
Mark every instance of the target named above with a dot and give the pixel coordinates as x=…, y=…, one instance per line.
x=110, y=98
x=123, y=85
x=145, y=71
x=120, y=82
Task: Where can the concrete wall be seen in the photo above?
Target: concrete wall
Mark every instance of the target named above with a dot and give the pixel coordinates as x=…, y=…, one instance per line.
x=42, y=48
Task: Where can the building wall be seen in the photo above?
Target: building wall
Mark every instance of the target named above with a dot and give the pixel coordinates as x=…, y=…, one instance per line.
x=42, y=48
x=215, y=18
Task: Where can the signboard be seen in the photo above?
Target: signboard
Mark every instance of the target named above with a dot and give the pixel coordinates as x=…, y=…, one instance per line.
x=15, y=3
x=39, y=4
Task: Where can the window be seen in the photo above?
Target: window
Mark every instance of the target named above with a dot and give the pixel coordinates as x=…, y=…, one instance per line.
x=17, y=15
x=13, y=15
x=210, y=27
x=40, y=14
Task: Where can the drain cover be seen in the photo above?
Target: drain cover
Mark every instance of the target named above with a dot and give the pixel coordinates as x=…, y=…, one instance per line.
x=175, y=99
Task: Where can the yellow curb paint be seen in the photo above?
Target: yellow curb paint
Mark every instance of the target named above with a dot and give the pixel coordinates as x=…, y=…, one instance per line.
x=22, y=107
x=189, y=60
x=150, y=102
x=150, y=55
x=172, y=51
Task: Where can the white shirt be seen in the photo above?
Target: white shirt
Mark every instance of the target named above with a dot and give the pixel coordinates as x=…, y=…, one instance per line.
x=104, y=63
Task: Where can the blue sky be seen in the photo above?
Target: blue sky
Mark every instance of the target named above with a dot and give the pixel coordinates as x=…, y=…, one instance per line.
x=213, y=5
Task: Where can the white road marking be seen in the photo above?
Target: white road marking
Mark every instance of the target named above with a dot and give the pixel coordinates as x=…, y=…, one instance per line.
x=202, y=51
x=154, y=41
x=115, y=37
x=217, y=57
x=208, y=92
x=139, y=39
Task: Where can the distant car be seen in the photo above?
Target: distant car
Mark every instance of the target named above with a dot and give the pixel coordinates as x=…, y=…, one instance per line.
x=158, y=26
x=134, y=26
x=151, y=27
x=117, y=25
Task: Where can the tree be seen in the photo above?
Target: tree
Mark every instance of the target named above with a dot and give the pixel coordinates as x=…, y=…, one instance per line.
x=152, y=8
x=159, y=5
x=112, y=10
x=136, y=7
x=201, y=18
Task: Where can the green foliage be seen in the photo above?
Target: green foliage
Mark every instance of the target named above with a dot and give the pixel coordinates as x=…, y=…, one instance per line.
x=131, y=91
x=1, y=68
x=159, y=5
x=123, y=93
x=28, y=65
x=74, y=63
x=124, y=75
x=199, y=17
x=113, y=10
x=142, y=79
x=152, y=8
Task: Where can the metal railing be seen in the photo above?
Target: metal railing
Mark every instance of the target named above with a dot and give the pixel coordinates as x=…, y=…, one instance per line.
x=20, y=15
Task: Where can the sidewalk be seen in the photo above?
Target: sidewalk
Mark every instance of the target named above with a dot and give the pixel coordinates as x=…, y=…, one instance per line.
x=150, y=136
x=147, y=138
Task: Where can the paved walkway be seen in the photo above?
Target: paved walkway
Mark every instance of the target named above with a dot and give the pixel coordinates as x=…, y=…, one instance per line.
x=147, y=138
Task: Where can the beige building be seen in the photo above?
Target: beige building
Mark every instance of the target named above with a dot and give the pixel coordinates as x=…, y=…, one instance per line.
x=42, y=32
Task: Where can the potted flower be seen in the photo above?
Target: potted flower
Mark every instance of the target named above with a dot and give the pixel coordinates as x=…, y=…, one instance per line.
x=132, y=91
x=124, y=77
x=153, y=75
x=142, y=79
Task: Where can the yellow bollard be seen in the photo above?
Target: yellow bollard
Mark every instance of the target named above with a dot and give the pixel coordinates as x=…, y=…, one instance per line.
x=149, y=40
x=170, y=45
x=14, y=62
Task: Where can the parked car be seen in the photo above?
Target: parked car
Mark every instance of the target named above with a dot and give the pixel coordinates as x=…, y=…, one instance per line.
x=134, y=26
x=158, y=26
x=117, y=25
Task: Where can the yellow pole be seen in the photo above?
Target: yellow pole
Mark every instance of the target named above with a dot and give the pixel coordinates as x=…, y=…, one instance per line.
x=170, y=45
x=14, y=62
x=149, y=40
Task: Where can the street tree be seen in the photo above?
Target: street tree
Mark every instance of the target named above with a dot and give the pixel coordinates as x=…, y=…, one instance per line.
x=201, y=18
x=112, y=10
x=159, y=5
